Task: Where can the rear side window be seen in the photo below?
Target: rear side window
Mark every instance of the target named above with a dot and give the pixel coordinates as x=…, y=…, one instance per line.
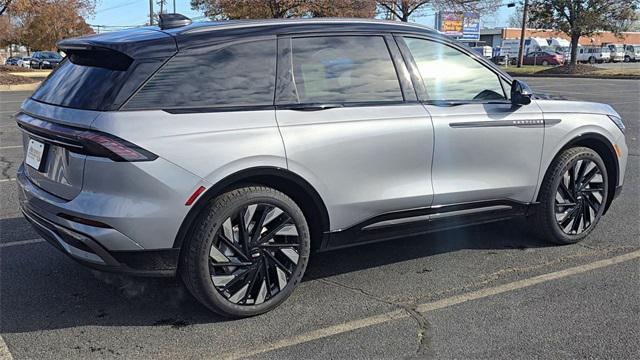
x=342, y=69
x=240, y=74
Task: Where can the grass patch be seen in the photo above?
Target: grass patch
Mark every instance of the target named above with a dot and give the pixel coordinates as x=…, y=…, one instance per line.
x=579, y=70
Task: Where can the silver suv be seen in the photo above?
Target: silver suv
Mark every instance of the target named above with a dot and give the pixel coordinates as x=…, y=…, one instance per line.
x=228, y=152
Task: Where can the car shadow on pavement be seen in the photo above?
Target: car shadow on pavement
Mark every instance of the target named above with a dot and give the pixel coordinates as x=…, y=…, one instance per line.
x=41, y=289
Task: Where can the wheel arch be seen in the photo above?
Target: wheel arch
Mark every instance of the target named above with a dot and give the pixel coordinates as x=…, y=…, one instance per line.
x=603, y=147
x=280, y=179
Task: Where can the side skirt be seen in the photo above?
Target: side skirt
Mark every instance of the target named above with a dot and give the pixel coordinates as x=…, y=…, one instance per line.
x=413, y=222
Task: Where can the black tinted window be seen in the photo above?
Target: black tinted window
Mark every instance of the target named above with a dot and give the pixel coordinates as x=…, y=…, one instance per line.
x=241, y=74
x=82, y=87
x=344, y=69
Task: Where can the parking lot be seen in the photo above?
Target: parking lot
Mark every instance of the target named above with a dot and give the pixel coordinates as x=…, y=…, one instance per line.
x=489, y=291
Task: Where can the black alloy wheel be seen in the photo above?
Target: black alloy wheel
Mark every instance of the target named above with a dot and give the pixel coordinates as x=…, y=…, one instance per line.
x=254, y=254
x=579, y=197
x=572, y=197
x=248, y=252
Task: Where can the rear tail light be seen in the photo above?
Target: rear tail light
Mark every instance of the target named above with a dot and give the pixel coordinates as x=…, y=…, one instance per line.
x=84, y=141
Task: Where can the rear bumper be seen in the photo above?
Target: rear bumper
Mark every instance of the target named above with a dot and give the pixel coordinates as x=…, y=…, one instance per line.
x=90, y=253
x=88, y=239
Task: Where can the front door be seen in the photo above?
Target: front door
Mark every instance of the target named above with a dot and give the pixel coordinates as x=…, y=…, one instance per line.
x=485, y=148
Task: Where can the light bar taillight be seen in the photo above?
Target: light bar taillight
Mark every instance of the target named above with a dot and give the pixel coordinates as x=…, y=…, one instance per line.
x=84, y=141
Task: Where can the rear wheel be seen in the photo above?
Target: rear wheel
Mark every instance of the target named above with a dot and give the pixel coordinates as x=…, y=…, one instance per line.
x=545, y=63
x=572, y=197
x=248, y=253
x=592, y=60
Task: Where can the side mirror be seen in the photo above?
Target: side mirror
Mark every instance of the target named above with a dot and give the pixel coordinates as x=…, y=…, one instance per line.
x=520, y=93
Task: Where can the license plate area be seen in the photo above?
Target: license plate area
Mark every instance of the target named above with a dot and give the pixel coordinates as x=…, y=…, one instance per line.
x=35, y=156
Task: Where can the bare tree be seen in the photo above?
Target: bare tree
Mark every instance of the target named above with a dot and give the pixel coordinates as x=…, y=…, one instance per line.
x=404, y=9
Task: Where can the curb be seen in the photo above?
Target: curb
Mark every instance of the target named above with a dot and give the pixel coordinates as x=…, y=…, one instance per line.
x=20, y=87
x=32, y=74
x=578, y=76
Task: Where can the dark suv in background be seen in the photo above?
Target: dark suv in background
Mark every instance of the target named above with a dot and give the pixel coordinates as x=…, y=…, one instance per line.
x=45, y=60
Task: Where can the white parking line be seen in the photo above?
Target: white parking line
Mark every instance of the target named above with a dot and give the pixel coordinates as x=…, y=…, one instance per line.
x=9, y=179
x=10, y=147
x=4, y=350
x=426, y=307
x=21, y=242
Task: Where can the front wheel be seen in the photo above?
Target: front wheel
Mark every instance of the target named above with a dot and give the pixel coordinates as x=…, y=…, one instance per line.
x=545, y=63
x=572, y=197
x=248, y=252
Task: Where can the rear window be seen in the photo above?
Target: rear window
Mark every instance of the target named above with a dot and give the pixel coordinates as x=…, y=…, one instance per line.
x=80, y=87
x=235, y=75
x=344, y=69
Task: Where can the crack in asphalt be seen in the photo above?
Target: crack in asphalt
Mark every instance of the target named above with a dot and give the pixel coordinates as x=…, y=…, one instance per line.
x=424, y=333
x=5, y=168
x=484, y=280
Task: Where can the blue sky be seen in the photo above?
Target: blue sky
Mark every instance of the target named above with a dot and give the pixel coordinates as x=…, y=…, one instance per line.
x=136, y=12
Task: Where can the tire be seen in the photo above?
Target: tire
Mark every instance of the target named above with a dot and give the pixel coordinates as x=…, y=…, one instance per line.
x=275, y=269
x=552, y=220
x=627, y=58
x=545, y=63
x=592, y=60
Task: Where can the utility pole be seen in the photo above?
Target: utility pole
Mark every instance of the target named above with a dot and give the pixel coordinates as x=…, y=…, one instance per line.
x=151, y=12
x=174, y=6
x=522, y=33
x=161, y=6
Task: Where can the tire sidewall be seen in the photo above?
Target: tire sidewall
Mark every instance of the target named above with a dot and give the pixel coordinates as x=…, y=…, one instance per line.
x=549, y=201
x=215, y=300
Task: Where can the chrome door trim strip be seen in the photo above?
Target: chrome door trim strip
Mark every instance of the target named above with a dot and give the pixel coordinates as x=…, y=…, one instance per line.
x=435, y=216
x=470, y=211
x=394, y=222
x=499, y=123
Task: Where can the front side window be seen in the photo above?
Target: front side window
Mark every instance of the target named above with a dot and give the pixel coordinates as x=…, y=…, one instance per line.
x=241, y=74
x=343, y=69
x=451, y=75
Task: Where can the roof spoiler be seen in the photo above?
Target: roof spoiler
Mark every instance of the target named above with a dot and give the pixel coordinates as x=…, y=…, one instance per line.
x=170, y=21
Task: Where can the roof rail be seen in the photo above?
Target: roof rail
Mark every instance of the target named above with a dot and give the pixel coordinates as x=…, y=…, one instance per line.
x=170, y=21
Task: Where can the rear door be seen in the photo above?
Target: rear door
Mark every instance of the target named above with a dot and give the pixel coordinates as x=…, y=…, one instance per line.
x=485, y=148
x=351, y=124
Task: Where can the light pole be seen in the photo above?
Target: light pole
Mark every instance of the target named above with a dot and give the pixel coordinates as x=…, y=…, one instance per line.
x=522, y=32
x=150, y=12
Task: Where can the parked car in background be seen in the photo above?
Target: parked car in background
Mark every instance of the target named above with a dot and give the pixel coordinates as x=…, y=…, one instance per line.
x=12, y=61
x=45, y=60
x=484, y=51
x=561, y=46
x=511, y=47
x=500, y=59
x=543, y=58
x=593, y=54
x=24, y=62
x=631, y=53
x=616, y=52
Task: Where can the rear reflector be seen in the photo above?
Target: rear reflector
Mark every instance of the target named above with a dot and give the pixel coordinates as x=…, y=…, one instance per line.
x=84, y=221
x=194, y=196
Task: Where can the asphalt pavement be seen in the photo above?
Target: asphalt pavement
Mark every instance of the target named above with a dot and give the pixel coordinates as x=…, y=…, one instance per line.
x=490, y=291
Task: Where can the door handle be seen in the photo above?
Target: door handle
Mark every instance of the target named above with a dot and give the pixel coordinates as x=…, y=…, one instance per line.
x=311, y=107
